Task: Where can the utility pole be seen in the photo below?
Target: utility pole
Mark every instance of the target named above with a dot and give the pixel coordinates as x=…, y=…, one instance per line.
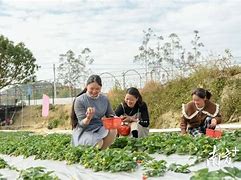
x=54, y=82
x=124, y=80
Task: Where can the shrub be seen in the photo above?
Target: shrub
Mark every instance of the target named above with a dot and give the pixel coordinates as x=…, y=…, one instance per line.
x=164, y=99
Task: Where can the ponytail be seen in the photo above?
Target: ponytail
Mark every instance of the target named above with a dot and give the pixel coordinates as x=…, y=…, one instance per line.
x=202, y=93
x=74, y=119
x=208, y=94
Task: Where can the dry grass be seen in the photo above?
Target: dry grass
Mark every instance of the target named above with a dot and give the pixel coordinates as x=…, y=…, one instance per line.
x=31, y=117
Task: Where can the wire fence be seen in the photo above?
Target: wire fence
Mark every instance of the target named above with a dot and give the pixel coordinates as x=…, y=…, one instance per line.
x=31, y=94
x=20, y=95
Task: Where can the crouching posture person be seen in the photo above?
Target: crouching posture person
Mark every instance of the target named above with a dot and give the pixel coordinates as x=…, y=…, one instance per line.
x=87, y=111
x=134, y=112
x=199, y=114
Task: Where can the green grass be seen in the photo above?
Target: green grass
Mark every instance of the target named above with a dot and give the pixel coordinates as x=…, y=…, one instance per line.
x=168, y=98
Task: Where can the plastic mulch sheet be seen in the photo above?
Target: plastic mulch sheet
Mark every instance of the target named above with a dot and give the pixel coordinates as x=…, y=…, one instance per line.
x=78, y=172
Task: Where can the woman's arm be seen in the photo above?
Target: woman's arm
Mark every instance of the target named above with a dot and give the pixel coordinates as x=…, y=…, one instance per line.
x=119, y=110
x=216, y=120
x=183, y=125
x=144, y=120
x=84, y=116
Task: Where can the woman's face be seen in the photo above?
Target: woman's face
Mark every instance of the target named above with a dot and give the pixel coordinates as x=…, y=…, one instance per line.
x=198, y=101
x=93, y=89
x=130, y=100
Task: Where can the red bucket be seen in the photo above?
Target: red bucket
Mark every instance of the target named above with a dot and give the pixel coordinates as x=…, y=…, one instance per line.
x=209, y=132
x=124, y=130
x=213, y=133
x=112, y=122
x=217, y=133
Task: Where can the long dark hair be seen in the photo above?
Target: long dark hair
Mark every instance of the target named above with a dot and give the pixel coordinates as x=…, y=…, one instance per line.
x=135, y=92
x=91, y=79
x=202, y=93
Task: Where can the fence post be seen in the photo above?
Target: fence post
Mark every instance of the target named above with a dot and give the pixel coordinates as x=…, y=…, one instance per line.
x=124, y=80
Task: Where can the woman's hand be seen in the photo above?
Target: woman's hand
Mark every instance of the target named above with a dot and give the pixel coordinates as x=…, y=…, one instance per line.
x=90, y=113
x=213, y=123
x=123, y=117
x=129, y=119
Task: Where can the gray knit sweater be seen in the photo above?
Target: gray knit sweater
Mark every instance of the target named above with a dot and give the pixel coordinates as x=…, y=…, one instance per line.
x=102, y=108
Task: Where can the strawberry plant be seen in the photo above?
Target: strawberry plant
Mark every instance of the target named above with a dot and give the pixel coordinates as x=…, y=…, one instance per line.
x=155, y=168
x=37, y=173
x=134, y=144
x=179, y=168
x=227, y=173
x=2, y=178
x=141, y=157
x=120, y=142
x=124, y=154
x=3, y=164
x=73, y=155
x=113, y=160
x=32, y=173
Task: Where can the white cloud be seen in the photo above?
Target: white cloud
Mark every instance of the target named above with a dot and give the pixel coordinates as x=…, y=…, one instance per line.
x=113, y=29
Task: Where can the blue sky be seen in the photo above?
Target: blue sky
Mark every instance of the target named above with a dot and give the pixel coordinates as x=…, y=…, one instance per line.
x=113, y=29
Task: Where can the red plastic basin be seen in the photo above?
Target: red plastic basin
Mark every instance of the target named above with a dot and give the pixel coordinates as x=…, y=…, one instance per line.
x=213, y=133
x=112, y=122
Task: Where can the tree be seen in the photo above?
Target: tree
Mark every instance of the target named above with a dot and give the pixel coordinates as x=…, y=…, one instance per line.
x=168, y=55
x=147, y=55
x=220, y=61
x=171, y=53
x=160, y=57
x=194, y=57
x=17, y=64
x=73, y=71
